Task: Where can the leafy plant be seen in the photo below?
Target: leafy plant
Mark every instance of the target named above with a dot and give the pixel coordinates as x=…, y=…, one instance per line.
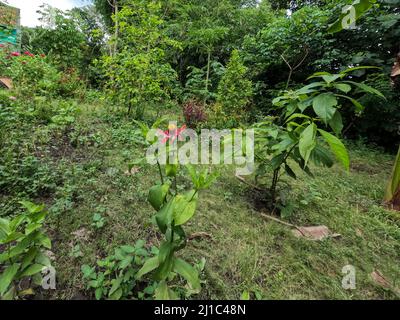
x=76, y=251
x=32, y=74
x=360, y=7
x=139, y=76
x=197, y=87
x=98, y=221
x=174, y=210
x=114, y=277
x=300, y=132
x=24, y=243
x=392, y=195
x=194, y=113
x=234, y=90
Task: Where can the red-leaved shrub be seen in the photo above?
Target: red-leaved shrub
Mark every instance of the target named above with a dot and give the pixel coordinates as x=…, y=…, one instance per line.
x=194, y=113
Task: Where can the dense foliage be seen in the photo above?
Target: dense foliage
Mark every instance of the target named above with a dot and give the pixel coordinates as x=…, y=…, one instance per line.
x=88, y=82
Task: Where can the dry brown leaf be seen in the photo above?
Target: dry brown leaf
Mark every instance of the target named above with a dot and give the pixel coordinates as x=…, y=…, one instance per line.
x=82, y=234
x=395, y=70
x=50, y=255
x=6, y=82
x=316, y=233
x=132, y=172
x=200, y=235
x=379, y=279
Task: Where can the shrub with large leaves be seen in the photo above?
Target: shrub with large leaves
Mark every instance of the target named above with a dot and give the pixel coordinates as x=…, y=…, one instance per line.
x=301, y=133
x=24, y=243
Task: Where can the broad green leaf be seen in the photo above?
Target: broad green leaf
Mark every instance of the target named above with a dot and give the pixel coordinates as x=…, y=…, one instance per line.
x=277, y=161
x=166, y=260
x=4, y=228
x=16, y=222
x=32, y=227
x=358, y=105
x=116, y=284
x=10, y=294
x=7, y=277
x=128, y=249
x=290, y=172
x=157, y=195
x=184, y=207
x=310, y=88
x=188, y=273
x=45, y=241
x=150, y=265
x=367, y=88
x=319, y=75
x=323, y=105
x=322, y=156
x=338, y=148
x=394, y=183
x=116, y=295
x=345, y=19
x=99, y=293
x=308, y=142
x=297, y=116
x=165, y=215
x=164, y=293
x=331, y=78
x=29, y=257
x=342, y=87
x=43, y=259
x=31, y=270
x=171, y=170
x=88, y=272
x=336, y=123
x=31, y=207
x=245, y=296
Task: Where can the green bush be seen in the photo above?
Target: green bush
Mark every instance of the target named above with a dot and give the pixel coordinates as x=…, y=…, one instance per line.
x=234, y=90
x=380, y=121
x=24, y=243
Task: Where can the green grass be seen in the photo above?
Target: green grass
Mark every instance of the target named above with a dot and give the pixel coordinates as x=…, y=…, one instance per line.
x=246, y=252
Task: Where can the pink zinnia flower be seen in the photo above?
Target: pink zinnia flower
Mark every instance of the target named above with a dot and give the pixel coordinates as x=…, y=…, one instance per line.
x=172, y=133
x=15, y=54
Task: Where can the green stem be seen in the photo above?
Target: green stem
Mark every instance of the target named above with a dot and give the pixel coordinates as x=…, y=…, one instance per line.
x=194, y=194
x=176, y=185
x=160, y=172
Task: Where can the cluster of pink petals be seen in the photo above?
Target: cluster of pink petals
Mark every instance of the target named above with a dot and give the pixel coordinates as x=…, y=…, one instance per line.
x=171, y=135
x=27, y=53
